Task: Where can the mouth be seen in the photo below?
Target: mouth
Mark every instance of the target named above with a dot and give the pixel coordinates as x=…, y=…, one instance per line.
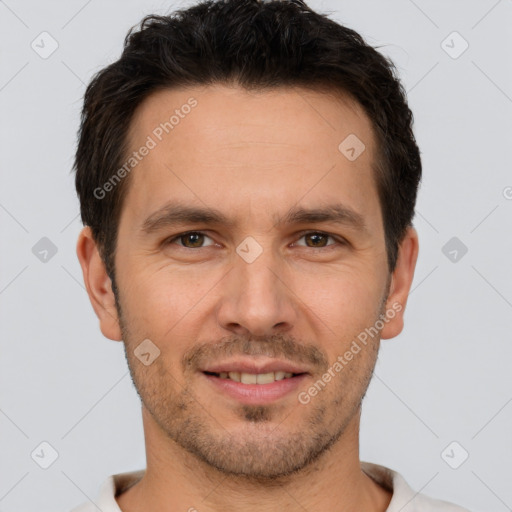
x=255, y=388
x=254, y=378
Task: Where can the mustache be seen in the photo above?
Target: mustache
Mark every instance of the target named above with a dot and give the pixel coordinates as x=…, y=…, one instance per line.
x=274, y=346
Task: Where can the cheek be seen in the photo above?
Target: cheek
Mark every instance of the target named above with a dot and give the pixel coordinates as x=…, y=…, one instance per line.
x=344, y=299
x=153, y=291
x=164, y=304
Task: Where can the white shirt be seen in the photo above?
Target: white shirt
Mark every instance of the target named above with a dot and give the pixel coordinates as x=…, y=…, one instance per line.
x=404, y=498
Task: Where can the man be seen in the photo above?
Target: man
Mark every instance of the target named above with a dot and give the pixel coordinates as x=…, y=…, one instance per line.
x=247, y=174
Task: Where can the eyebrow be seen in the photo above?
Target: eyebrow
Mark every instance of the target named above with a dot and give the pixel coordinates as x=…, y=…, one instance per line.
x=179, y=214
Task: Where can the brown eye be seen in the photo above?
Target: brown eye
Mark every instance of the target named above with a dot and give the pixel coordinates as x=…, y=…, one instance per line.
x=317, y=239
x=191, y=240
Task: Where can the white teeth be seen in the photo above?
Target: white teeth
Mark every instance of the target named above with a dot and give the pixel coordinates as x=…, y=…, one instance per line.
x=234, y=376
x=265, y=378
x=248, y=378
x=251, y=378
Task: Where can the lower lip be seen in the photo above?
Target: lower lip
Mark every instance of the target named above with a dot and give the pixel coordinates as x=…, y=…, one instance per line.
x=257, y=393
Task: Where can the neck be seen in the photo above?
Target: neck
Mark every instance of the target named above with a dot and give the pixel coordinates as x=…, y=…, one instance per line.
x=177, y=480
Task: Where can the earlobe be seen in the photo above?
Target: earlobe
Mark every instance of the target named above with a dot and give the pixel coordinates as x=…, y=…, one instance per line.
x=98, y=285
x=401, y=284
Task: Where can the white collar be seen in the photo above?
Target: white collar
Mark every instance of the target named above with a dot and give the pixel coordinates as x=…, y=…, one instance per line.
x=404, y=498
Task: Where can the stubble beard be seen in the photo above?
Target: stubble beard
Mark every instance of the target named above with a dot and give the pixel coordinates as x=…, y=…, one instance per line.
x=268, y=448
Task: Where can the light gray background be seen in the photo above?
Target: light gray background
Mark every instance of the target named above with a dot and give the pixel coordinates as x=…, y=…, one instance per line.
x=446, y=378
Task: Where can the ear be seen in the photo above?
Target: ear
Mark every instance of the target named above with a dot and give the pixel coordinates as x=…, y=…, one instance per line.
x=98, y=285
x=401, y=281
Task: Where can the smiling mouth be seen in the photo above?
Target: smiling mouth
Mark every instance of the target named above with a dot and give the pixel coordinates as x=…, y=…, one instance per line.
x=254, y=378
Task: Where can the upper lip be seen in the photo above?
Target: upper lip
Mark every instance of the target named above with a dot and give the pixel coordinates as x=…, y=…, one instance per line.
x=254, y=366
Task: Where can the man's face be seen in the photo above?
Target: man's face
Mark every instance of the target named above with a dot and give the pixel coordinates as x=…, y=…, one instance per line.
x=258, y=290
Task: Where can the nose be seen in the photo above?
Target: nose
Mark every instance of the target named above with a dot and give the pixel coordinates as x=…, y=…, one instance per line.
x=256, y=299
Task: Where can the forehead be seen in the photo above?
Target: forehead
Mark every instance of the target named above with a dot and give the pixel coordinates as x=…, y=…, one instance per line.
x=218, y=145
x=216, y=113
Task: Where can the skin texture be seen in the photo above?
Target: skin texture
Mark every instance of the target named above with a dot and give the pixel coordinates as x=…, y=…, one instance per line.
x=252, y=155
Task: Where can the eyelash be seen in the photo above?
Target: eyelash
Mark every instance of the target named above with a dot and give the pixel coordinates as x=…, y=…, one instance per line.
x=339, y=241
